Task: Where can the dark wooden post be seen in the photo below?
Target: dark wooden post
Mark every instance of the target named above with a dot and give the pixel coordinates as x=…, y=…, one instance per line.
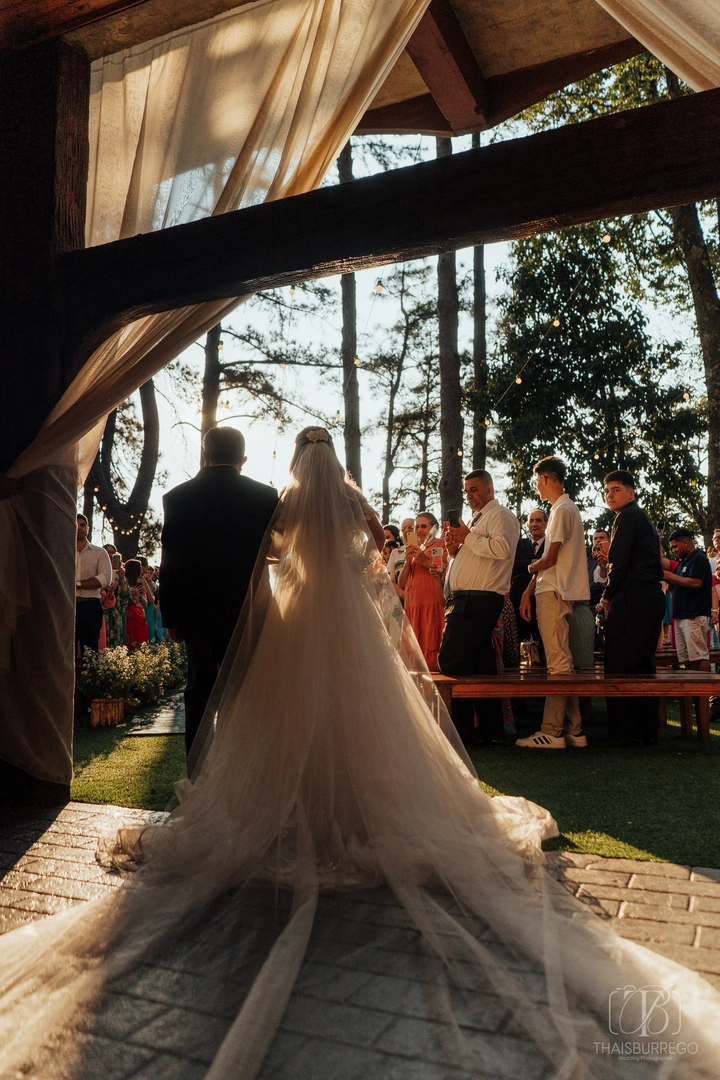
x=351, y=395
x=44, y=96
x=480, y=369
x=451, y=421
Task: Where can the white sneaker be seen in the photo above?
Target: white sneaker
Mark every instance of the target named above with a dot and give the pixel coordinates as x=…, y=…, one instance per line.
x=576, y=740
x=541, y=741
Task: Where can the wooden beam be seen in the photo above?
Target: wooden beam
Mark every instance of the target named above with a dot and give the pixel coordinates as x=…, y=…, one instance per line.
x=416, y=116
x=442, y=55
x=101, y=27
x=506, y=95
x=517, y=90
x=661, y=155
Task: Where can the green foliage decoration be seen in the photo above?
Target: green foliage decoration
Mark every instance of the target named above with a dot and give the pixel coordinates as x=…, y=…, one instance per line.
x=140, y=677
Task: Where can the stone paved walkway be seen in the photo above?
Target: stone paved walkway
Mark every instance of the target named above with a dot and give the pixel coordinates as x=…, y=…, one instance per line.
x=360, y=1009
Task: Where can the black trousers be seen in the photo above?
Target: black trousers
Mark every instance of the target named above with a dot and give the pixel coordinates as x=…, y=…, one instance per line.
x=205, y=654
x=88, y=623
x=632, y=629
x=467, y=649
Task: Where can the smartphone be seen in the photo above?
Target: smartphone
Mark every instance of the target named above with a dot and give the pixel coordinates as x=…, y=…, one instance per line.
x=453, y=517
x=436, y=557
x=412, y=538
x=660, y=526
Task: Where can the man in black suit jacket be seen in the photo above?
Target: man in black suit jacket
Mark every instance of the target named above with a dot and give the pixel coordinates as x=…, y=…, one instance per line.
x=213, y=528
x=527, y=550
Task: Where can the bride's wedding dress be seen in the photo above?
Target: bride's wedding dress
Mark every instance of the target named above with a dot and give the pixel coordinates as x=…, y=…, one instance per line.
x=325, y=764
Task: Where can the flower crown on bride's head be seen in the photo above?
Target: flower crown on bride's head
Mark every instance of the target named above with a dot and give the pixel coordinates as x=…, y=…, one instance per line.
x=317, y=435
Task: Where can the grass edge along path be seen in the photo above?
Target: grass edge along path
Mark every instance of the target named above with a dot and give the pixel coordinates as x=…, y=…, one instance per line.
x=657, y=804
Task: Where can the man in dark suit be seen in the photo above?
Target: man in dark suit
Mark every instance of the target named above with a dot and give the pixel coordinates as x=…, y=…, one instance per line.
x=213, y=528
x=526, y=552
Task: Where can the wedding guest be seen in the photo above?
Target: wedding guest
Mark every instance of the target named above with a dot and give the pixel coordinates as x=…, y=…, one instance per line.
x=149, y=586
x=528, y=548
x=397, y=557
x=560, y=582
x=597, y=565
x=93, y=572
x=136, y=625
x=424, y=601
x=478, y=579
x=392, y=533
x=114, y=604
x=634, y=604
x=691, y=580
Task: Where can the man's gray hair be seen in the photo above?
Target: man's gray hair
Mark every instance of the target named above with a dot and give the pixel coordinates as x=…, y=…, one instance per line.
x=224, y=446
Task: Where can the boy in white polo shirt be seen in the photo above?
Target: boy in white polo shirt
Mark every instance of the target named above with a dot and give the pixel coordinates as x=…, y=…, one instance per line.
x=560, y=581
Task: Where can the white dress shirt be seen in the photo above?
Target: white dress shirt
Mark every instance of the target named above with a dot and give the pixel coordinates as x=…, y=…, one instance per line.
x=485, y=560
x=92, y=561
x=569, y=576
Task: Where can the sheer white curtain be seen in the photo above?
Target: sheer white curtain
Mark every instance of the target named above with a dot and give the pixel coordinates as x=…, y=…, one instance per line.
x=250, y=106
x=684, y=34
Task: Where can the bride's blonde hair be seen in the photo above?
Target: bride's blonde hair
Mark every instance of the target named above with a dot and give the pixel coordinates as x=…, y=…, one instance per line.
x=314, y=435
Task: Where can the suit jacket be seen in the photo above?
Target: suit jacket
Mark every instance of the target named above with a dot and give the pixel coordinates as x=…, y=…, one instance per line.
x=213, y=528
x=524, y=556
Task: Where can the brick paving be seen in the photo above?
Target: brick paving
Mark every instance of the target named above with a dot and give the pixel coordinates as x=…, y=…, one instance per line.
x=361, y=1006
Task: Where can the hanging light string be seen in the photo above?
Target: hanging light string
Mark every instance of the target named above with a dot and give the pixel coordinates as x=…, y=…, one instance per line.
x=553, y=325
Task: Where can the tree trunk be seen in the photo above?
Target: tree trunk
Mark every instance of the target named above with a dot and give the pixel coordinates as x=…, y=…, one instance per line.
x=688, y=235
x=690, y=239
x=88, y=504
x=126, y=517
x=351, y=394
x=451, y=419
x=480, y=369
x=211, y=382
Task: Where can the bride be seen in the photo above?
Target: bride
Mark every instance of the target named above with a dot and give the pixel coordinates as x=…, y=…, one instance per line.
x=326, y=764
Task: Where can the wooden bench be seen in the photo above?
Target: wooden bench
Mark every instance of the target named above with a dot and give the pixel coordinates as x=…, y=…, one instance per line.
x=685, y=685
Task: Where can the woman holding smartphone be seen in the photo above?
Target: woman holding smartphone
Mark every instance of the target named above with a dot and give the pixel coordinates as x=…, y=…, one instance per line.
x=421, y=578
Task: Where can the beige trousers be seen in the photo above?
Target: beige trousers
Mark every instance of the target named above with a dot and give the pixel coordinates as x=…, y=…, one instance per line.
x=553, y=614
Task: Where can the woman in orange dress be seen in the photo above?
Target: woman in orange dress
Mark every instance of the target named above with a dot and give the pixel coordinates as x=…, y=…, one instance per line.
x=424, y=601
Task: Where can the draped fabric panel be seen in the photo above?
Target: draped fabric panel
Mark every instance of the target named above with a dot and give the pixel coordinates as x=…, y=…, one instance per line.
x=252, y=105
x=684, y=34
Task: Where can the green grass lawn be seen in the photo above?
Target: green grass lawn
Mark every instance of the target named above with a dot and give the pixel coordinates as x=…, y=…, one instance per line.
x=658, y=803
x=647, y=803
x=140, y=771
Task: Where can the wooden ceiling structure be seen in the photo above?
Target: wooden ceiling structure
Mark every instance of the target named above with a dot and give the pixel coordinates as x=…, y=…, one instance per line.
x=469, y=65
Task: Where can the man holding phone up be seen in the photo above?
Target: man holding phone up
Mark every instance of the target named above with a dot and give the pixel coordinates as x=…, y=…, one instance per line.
x=477, y=580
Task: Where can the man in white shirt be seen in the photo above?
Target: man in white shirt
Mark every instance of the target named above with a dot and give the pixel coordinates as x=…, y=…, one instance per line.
x=477, y=581
x=93, y=572
x=560, y=580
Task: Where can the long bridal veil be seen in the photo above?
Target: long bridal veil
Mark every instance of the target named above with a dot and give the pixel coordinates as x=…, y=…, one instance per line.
x=326, y=766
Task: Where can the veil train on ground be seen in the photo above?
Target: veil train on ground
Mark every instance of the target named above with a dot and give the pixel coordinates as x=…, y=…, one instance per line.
x=326, y=765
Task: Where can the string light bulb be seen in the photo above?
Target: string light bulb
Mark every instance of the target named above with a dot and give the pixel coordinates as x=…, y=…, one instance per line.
x=459, y=453
x=292, y=290
x=221, y=346
x=283, y=366
x=518, y=380
x=337, y=415
x=607, y=238
x=686, y=396
x=556, y=322
x=638, y=431
x=596, y=456
x=487, y=423
x=422, y=487
x=356, y=362
x=96, y=490
x=378, y=289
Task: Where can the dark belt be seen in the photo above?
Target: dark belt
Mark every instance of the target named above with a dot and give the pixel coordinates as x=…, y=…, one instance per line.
x=474, y=592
